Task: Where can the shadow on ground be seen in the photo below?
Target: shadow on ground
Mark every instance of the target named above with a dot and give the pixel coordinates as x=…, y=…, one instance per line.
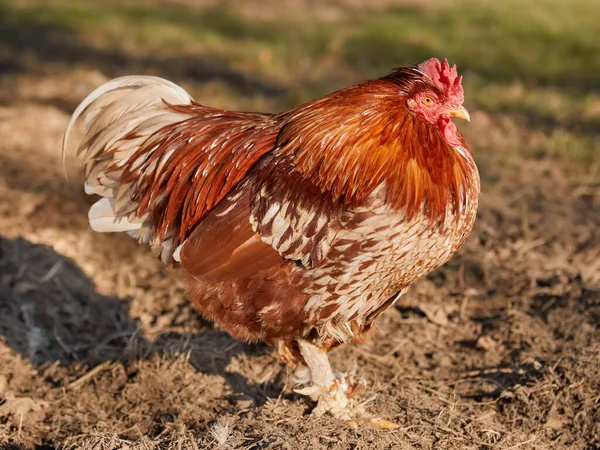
x=50, y=312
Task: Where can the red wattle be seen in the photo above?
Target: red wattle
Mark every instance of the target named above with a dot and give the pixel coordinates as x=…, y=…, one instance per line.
x=449, y=130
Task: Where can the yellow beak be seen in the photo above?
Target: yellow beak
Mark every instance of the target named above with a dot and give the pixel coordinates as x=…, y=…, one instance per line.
x=460, y=112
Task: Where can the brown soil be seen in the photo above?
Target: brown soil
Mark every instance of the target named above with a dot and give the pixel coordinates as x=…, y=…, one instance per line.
x=99, y=348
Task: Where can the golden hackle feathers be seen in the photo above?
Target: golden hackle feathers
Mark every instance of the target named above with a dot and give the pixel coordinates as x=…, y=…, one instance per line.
x=350, y=142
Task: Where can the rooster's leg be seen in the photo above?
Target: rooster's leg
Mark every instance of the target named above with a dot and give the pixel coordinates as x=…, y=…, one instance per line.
x=329, y=391
x=333, y=393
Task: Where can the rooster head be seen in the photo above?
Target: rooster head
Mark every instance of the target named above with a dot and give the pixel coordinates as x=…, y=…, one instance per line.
x=441, y=99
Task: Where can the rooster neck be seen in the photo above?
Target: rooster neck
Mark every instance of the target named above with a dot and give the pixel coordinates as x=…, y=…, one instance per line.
x=426, y=173
x=359, y=138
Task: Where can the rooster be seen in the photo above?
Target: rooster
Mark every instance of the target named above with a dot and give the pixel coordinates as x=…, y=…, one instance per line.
x=299, y=228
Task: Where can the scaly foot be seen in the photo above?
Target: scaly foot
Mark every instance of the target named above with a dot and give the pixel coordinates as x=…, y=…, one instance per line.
x=334, y=394
x=336, y=398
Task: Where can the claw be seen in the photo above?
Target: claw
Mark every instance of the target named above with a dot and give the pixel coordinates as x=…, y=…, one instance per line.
x=375, y=422
x=382, y=424
x=335, y=394
x=352, y=424
x=311, y=391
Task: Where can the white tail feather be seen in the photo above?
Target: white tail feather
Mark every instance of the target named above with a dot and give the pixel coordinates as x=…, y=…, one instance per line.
x=103, y=219
x=112, y=114
x=174, y=94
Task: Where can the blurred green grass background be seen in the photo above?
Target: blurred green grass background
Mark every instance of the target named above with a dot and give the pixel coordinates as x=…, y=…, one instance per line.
x=537, y=61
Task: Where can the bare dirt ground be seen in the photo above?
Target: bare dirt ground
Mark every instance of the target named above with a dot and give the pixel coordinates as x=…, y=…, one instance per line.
x=99, y=348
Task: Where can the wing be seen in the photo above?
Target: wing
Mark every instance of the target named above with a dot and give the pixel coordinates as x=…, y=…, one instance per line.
x=224, y=245
x=161, y=161
x=272, y=217
x=291, y=213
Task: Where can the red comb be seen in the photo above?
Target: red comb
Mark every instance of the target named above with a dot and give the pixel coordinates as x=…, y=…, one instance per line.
x=444, y=77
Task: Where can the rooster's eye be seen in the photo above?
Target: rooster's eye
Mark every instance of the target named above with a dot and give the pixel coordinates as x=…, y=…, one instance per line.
x=427, y=100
